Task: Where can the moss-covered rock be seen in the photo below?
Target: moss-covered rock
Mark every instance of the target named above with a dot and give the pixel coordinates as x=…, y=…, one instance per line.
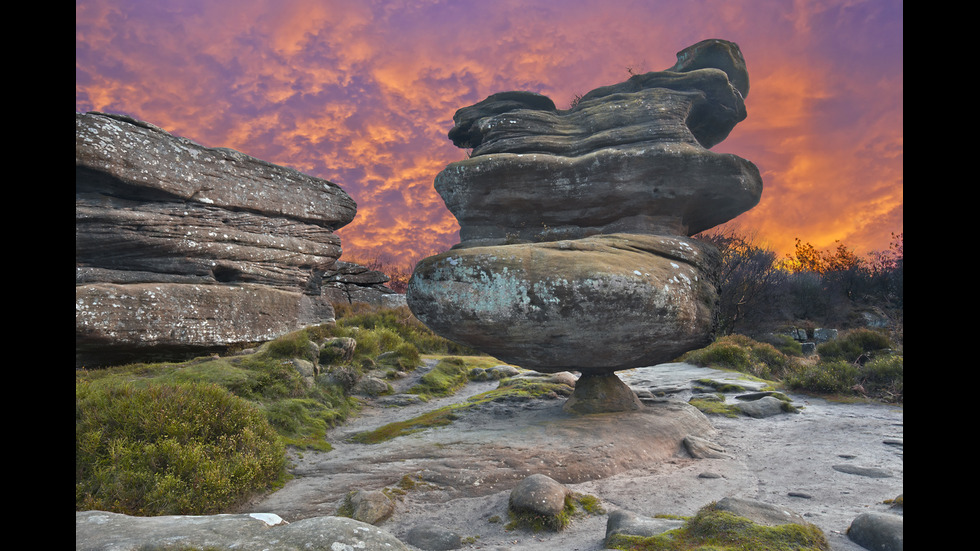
x=721, y=530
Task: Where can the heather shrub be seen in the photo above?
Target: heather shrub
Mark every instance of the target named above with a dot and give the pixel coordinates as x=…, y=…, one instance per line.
x=834, y=377
x=851, y=345
x=861, y=364
x=743, y=354
x=162, y=449
x=883, y=377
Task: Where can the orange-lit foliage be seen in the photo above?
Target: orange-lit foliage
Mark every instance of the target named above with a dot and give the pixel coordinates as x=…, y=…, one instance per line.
x=807, y=258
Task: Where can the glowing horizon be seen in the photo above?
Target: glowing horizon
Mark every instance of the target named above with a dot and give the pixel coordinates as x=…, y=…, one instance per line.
x=362, y=93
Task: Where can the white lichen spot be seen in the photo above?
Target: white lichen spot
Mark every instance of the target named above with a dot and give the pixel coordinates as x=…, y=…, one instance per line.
x=271, y=519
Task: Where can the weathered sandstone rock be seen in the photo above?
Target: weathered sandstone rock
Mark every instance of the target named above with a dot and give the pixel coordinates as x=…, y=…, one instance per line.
x=183, y=249
x=122, y=157
x=350, y=283
x=574, y=224
x=370, y=506
x=119, y=323
x=630, y=157
x=433, y=538
x=593, y=305
x=675, y=188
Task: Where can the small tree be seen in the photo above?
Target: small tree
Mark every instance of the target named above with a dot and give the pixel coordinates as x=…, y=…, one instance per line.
x=885, y=272
x=842, y=270
x=749, y=279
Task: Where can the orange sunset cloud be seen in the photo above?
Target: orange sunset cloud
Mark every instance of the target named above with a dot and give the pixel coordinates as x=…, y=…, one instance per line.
x=362, y=93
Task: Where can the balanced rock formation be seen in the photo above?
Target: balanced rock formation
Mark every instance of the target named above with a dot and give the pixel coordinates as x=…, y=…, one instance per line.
x=181, y=248
x=575, y=251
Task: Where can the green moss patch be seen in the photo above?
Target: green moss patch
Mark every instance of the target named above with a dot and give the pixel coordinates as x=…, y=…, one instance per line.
x=716, y=407
x=517, y=389
x=715, y=530
x=195, y=437
x=448, y=376
x=524, y=388
x=436, y=418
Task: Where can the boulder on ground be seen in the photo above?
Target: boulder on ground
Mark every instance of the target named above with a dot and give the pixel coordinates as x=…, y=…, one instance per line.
x=369, y=506
x=539, y=502
x=878, y=531
x=433, y=538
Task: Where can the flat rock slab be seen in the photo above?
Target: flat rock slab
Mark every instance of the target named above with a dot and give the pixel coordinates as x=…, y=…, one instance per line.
x=99, y=530
x=490, y=449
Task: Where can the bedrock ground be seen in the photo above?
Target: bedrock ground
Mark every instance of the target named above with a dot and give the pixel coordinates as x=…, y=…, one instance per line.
x=830, y=462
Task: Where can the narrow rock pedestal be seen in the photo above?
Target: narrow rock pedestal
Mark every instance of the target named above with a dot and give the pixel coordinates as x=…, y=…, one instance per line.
x=602, y=393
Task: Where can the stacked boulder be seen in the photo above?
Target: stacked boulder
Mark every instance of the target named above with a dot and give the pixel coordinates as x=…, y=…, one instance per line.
x=182, y=249
x=575, y=251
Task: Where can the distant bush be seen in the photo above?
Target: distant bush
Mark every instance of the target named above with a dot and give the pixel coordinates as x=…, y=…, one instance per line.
x=851, y=345
x=859, y=363
x=785, y=344
x=881, y=378
x=884, y=377
x=741, y=353
x=159, y=449
x=835, y=377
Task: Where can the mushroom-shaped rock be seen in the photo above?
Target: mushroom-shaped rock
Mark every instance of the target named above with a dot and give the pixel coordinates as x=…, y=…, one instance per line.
x=575, y=251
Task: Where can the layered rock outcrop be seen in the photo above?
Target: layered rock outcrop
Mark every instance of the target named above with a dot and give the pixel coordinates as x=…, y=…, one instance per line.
x=184, y=248
x=575, y=249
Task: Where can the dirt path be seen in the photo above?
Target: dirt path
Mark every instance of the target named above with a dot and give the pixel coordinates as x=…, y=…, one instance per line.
x=464, y=472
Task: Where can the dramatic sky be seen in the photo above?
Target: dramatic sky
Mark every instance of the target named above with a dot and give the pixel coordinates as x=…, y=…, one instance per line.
x=362, y=93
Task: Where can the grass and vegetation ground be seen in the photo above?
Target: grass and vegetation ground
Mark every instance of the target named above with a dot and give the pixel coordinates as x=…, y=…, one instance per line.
x=197, y=437
x=449, y=372
x=200, y=436
x=859, y=364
